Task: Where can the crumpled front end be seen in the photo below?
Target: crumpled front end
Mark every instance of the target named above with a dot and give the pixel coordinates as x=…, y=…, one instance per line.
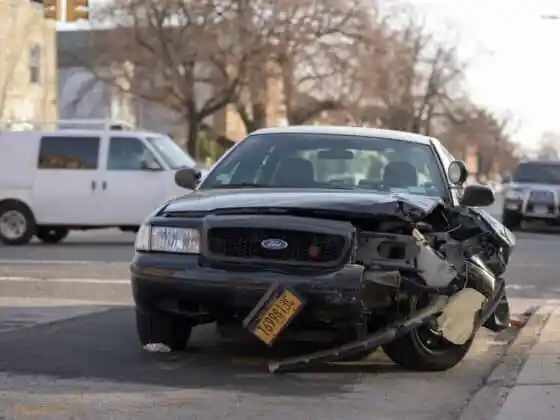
x=451, y=261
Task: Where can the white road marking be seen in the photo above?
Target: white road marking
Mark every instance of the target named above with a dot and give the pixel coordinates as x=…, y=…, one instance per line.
x=59, y=262
x=51, y=280
x=18, y=313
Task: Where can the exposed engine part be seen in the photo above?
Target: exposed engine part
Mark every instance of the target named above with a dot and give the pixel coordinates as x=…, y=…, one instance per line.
x=432, y=267
x=479, y=277
x=387, y=251
x=384, y=278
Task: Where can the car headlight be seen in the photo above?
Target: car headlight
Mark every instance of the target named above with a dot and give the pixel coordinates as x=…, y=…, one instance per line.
x=142, y=242
x=515, y=193
x=168, y=239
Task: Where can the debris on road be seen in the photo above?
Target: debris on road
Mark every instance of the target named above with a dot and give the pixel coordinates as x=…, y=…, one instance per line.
x=157, y=348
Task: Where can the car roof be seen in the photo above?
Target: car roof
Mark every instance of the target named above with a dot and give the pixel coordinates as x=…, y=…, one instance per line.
x=78, y=132
x=347, y=131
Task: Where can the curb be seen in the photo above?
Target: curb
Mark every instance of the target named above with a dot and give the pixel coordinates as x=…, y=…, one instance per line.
x=486, y=403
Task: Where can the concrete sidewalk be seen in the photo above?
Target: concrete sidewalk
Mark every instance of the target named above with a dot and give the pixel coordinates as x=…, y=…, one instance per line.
x=536, y=394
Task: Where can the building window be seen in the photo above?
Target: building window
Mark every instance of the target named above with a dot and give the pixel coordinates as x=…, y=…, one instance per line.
x=35, y=64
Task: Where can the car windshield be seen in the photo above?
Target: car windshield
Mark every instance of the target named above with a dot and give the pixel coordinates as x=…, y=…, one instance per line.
x=538, y=173
x=171, y=153
x=305, y=160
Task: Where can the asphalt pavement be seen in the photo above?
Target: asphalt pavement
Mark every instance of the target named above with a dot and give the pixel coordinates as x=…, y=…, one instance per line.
x=68, y=349
x=91, y=366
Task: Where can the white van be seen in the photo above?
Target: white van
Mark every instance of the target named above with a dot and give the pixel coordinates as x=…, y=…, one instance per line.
x=54, y=181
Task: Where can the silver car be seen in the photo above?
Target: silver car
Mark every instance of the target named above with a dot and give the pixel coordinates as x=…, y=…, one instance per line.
x=533, y=194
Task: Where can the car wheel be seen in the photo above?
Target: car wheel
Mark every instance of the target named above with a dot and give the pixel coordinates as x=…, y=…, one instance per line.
x=426, y=350
x=52, y=235
x=157, y=327
x=511, y=220
x=17, y=224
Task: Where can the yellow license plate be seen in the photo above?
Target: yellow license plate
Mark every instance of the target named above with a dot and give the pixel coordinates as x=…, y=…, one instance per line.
x=276, y=316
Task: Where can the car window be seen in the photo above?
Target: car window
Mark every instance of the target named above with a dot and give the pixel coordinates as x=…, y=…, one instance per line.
x=170, y=152
x=69, y=153
x=538, y=173
x=130, y=154
x=330, y=161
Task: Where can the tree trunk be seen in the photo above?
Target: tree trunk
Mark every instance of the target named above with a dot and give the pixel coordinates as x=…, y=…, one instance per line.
x=192, y=139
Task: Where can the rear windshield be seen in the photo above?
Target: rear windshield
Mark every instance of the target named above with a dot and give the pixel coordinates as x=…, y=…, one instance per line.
x=541, y=173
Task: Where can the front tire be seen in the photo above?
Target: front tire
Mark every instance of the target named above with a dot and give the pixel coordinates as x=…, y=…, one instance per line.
x=157, y=327
x=426, y=350
x=17, y=224
x=52, y=235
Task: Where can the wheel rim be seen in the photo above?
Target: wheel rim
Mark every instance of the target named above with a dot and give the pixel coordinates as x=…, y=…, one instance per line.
x=429, y=337
x=12, y=224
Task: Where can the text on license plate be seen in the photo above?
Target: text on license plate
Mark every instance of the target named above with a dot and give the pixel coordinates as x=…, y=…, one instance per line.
x=276, y=316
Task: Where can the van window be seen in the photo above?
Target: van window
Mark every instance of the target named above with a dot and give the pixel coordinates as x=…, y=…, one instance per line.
x=69, y=153
x=130, y=154
x=171, y=153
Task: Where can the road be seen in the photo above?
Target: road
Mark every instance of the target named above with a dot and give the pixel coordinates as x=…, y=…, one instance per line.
x=91, y=367
x=78, y=357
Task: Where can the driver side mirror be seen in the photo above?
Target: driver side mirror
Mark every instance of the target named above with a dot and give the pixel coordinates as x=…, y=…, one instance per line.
x=477, y=195
x=187, y=178
x=457, y=172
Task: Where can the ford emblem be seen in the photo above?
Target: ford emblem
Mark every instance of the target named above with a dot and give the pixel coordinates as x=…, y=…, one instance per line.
x=274, y=244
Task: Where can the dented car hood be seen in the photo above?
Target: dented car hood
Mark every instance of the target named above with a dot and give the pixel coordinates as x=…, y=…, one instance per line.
x=355, y=202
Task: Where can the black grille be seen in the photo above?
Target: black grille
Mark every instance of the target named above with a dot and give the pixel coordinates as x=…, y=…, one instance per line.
x=245, y=243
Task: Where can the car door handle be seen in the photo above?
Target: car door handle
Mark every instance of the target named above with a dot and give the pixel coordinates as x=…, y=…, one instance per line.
x=104, y=185
x=93, y=185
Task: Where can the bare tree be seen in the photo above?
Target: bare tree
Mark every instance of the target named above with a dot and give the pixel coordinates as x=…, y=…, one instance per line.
x=470, y=124
x=408, y=76
x=303, y=66
x=188, y=56
x=549, y=146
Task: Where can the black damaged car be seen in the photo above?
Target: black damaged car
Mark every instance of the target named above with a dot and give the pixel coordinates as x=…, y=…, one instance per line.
x=273, y=243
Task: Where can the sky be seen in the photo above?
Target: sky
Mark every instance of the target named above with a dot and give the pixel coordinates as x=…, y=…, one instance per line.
x=513, y=53
x=513, y=56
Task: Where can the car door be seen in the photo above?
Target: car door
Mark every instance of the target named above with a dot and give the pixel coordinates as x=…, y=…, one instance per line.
x=132, y=183
x=66, y=189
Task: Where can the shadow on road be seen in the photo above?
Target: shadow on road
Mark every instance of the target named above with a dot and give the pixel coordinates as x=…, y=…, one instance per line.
x=103, y=346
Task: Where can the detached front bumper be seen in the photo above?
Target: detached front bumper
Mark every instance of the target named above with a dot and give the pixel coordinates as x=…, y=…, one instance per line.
x=179, y=283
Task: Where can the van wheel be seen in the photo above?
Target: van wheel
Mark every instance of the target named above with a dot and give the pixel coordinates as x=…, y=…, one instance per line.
x=17, y=224
x=162, y=328
x=52, y=235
